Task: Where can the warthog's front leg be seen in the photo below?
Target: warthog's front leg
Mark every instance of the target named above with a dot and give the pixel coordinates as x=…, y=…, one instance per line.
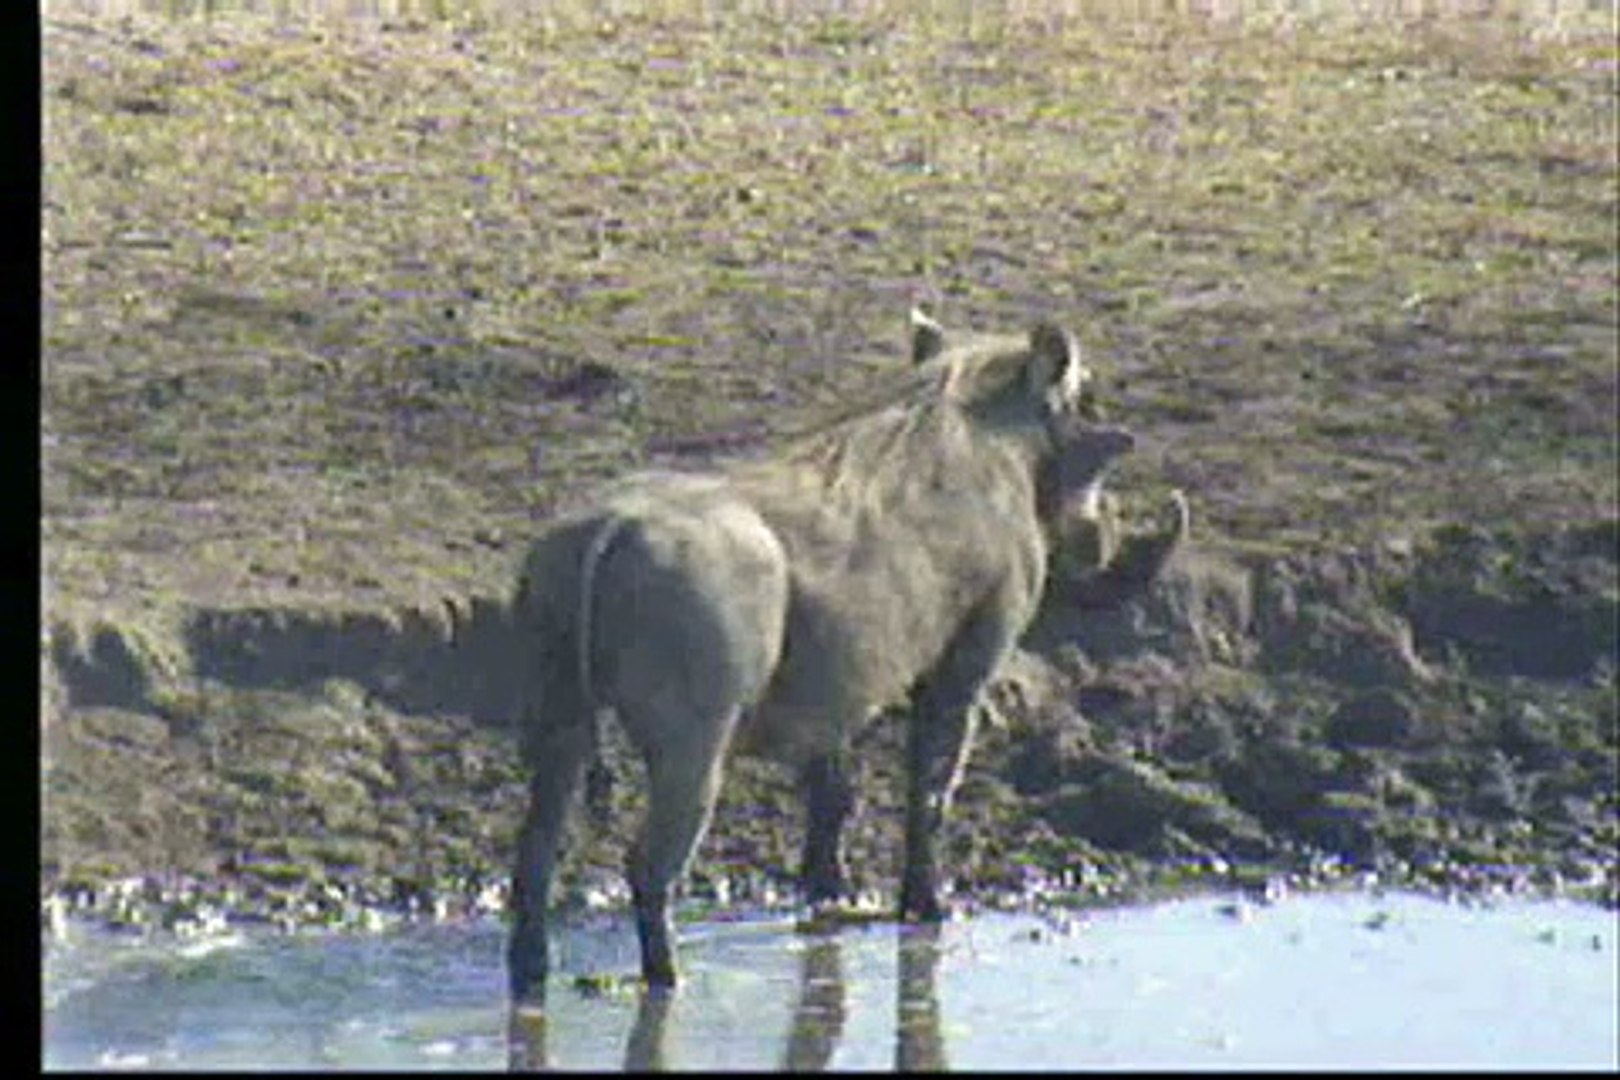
x=939, y=740
x=940, y=735
x=829, y=800
x=557, y=760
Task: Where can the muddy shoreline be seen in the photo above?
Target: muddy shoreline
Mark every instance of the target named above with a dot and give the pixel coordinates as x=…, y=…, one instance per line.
x=1219, y=729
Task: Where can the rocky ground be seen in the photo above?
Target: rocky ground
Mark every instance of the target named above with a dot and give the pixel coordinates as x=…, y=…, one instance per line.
x=337, y=314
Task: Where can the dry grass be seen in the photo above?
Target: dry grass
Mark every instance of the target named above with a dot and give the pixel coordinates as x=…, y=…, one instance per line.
x=335, y=309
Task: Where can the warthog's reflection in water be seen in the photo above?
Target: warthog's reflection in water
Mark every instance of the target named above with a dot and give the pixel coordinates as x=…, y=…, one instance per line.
x=918, y=1046
x=818, y=1020
x=644, y=1050
x=525, y=1040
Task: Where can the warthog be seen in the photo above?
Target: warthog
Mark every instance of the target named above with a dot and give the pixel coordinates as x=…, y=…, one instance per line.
x=894, y=556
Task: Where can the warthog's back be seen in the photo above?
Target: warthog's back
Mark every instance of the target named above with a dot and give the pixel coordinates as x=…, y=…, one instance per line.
x=885, y=568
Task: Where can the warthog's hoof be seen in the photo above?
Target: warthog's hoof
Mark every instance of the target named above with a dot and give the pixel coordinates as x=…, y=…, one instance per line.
x=659, y=976
x=826, y=887
x=921, y=906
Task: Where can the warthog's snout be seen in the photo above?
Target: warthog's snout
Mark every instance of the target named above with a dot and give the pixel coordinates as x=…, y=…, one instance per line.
x=1071, y=480
x=1087, y=450
x=1112, y=442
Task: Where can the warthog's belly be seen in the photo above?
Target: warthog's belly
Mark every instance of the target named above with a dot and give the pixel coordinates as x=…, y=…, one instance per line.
x=818, y=697
x=791, y=736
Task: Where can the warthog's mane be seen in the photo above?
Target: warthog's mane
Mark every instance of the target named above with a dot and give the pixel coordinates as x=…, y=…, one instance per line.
x=908, y=428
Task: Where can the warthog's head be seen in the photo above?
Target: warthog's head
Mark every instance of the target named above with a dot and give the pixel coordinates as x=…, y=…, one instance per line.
x=1040, y=390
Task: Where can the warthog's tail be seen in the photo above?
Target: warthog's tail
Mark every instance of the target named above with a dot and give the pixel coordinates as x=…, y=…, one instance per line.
x=599, y=779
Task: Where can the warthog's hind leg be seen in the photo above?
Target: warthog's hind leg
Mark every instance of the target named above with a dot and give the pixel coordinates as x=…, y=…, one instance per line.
x=829, y=800
x=557, y=760
x=683, y=784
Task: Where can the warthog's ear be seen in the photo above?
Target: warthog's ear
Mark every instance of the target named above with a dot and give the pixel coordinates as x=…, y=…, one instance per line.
x=927, y=337
x=1055, y=369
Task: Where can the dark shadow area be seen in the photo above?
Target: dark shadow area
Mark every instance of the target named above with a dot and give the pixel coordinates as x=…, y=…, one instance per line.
x=455, y=660
x=102, y=672
x=415, y=661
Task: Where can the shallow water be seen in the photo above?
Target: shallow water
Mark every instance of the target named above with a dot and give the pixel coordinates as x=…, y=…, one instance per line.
x=1349, y=979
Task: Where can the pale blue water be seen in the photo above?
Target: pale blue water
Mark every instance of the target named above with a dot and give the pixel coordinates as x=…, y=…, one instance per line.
x=1325, y=980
